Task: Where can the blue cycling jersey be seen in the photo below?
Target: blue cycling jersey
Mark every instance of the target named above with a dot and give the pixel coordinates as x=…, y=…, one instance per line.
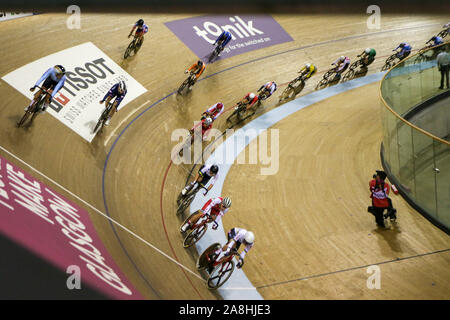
x=114, y=92
x=225, y=37
x=52, y=74
x=144, y=28
x=438, y=40
x=406, y=47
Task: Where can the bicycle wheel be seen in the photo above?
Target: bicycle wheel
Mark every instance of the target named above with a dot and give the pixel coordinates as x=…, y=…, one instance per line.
x=442, y=34
x=23, y=119
x=286, y=93
x=186, y=201
x=128, y=50
x=195, y=235
x=102, y=119
x=348, y=75
x=203, y=260
x=183, y=85
x=220, y=274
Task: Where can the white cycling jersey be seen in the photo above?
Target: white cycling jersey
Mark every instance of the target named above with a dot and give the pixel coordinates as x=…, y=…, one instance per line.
x=239, y=237
x=206, y=170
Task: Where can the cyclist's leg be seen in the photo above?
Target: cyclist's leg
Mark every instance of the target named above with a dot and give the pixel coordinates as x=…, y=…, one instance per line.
x=111, y=113
x=192, y=221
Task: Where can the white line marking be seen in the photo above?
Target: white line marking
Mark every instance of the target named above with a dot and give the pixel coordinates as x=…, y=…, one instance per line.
x=123, y=120
x=104, y=215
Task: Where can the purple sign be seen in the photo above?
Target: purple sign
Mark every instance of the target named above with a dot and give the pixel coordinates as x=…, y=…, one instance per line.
x=249, y=33
x=58, y=230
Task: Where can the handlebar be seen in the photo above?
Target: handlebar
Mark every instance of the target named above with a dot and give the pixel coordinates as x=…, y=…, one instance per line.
x=211, y=219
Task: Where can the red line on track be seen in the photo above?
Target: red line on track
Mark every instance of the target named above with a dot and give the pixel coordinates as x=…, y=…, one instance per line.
x=165, y=229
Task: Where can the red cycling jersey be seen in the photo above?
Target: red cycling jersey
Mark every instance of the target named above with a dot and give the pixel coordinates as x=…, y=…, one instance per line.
x=253, y=101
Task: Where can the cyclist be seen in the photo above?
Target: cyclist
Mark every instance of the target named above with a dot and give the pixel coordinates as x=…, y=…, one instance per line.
x=236, y=237
x=436, y=41
x=119, y=90
x=341, y=64
x=141, y=29
x=447, y=27
x=206, y=125
x=270, y=87
x=223, y=40
x=54, y=79
x=214, y=208
x=307, y=71
x=214, y=111
x=197, y=69
x=405, y=50
x=206, y=173
x=249, y=100
x=368, y=56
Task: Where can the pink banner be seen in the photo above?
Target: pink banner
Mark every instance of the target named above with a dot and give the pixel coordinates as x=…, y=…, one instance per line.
x=58, y=230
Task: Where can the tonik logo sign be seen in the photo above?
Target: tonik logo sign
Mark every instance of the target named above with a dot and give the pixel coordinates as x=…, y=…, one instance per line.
x=239, y=29
x=248, y=33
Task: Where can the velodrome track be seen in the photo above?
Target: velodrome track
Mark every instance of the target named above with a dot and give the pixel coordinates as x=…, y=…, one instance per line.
x=314, y=236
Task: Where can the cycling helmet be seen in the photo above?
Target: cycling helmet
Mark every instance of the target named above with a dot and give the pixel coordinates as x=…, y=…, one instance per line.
x=269, y=85
x=200, y=63
x=342, y=58
x=402, y=45
x=251, y=96
x=226, y=202
x=122, y=86
x=207, y=121
x=367, y=50
x=59, y=69
x=434, y=38
x=214, y=168
x=220, y=105
x=308, y=65
x=140, y=22
x=249, y=237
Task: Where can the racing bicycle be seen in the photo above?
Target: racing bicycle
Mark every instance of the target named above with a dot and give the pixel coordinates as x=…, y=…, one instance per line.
x=219, y=271
x=184, y=201
x=197, y=231
x=35, y=108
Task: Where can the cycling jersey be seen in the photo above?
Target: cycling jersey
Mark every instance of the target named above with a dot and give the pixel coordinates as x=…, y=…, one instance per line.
x=309, y=72
x=51, y=81
x=215, y=111
x=438, y=41
x=212, y=207
x=238, y=235
x=342, y=65
x=225, y=37
x=143, y=29
x=207, y=175
x=253, y=101
x=272, y=88
x=372, y=53
x=198, y=71
x=114, y=92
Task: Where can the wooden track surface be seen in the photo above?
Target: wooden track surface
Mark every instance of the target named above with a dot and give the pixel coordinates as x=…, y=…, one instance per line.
x=140, y=188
